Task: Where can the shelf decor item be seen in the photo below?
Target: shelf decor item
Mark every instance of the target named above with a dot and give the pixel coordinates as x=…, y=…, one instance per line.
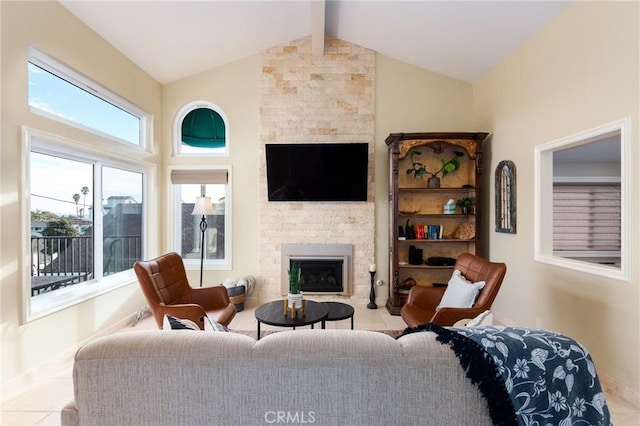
x=449, y=207
x=419, y=169
x=466, y=203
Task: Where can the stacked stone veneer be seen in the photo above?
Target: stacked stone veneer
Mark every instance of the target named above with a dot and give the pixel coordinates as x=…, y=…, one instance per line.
x=307, y=98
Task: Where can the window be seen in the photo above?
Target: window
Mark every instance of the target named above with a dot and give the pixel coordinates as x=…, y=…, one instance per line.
x=200, y=128
x=581, y=216
x=59, y=93
x=86, y=222
x=186, y=186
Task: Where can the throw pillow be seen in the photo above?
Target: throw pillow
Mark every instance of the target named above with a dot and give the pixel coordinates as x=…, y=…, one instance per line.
x=460, y=293
x=485, y=318
x=211, y=325
x=173, y=323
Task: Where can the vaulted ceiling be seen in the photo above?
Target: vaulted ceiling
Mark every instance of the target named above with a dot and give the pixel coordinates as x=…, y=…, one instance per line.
x=171, y=40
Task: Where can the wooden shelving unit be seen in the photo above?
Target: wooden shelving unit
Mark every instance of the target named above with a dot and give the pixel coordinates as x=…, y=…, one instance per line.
x=411, y=200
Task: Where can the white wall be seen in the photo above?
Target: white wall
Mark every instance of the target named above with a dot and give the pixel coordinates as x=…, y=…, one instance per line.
x=579, y=72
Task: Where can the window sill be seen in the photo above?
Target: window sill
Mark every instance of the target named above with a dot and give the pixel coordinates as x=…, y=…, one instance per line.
x=48, y=303
x=607, y=271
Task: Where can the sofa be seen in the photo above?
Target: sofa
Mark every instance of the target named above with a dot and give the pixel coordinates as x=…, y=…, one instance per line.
x=323, y=377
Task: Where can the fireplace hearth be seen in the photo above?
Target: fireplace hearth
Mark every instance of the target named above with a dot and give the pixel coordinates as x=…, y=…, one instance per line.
x=324, y=268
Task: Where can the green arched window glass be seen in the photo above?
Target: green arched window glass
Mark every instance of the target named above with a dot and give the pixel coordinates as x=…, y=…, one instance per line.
x=203, y=128
x=200, y=128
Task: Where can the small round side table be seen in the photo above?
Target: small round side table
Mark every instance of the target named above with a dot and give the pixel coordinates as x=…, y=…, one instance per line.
x=339, y=311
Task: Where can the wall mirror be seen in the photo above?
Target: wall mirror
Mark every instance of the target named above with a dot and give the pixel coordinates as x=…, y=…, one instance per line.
x=505, y=187
x=581, y=201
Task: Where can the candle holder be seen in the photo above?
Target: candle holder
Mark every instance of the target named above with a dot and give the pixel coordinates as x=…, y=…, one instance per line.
x=372, y=293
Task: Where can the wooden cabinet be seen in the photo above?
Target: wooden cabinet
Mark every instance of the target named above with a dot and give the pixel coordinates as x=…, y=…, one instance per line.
x=415, y=203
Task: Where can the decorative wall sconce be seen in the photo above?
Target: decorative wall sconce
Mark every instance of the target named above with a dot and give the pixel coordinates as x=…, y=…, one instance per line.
x=505, y=197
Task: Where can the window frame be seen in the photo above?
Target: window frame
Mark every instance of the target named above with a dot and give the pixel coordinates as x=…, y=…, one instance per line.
x=173, y=223
x=543, y=200
x=64, y=72
x=198, y=152
x=51, y=144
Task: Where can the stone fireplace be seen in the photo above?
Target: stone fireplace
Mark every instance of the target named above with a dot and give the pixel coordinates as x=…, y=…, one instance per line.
x=307, y=98
x=324, y=268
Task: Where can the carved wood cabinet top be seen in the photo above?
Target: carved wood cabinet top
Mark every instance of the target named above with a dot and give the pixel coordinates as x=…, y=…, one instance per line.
x=437, y=141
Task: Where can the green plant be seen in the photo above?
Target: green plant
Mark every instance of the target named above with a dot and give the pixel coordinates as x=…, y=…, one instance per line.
x=418, y=169
x=294, y=278
x=466, y=202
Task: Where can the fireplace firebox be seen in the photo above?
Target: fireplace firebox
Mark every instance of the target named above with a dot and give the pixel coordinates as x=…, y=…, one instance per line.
x=324, y=268
x=320, y=276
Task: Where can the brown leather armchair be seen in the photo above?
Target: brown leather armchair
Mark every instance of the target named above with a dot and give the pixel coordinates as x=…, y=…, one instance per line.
x=164, y=283
x=422, y=301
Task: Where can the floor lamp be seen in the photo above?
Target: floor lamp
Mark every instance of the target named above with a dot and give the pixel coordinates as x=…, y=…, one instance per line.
x=204, y=208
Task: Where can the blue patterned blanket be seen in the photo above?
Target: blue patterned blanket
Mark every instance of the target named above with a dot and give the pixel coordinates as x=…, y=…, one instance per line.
x=528, y=377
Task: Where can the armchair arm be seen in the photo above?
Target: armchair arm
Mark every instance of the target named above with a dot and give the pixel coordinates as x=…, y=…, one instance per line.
x=188, y=311
x=449, y=316
x=426, y=298
x=211, y=298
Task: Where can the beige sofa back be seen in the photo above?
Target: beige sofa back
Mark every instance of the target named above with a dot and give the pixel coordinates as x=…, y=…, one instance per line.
x=322, y=377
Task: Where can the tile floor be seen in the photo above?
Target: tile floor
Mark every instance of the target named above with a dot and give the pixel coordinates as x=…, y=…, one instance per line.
x=41, y=403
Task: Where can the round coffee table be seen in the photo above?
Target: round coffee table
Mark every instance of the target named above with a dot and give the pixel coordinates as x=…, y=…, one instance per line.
x=272, y=313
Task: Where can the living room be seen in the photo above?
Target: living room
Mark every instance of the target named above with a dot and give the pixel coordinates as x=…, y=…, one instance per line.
x=578, y=72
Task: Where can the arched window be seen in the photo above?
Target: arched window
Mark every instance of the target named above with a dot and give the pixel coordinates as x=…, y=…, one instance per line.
x=200, y=128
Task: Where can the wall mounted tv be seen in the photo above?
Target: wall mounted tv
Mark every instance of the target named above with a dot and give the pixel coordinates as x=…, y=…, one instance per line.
x=317, y=171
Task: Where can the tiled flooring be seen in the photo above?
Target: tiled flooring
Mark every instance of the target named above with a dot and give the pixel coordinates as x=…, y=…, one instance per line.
x=41, y=403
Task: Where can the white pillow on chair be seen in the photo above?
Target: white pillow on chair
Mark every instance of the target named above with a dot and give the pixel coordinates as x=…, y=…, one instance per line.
x=483, y=319
x=460, y=292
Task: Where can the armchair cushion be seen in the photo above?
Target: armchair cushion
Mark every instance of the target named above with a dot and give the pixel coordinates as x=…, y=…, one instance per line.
x=460, y=293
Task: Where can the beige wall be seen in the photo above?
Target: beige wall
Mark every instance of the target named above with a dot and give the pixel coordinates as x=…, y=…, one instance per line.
x=234, y=88
x=579, y=72
x=48, y=26
x=410, y=99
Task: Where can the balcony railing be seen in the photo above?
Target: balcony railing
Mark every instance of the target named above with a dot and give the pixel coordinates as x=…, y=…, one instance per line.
x=61, y=261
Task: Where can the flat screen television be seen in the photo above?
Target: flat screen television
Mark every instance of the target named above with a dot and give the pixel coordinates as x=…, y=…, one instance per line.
x=317, y=171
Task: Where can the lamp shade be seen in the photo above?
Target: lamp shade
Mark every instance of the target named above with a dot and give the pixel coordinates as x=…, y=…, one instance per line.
x=203, y=207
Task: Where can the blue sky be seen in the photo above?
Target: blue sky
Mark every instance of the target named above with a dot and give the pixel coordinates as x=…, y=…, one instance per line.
x=56, y=96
